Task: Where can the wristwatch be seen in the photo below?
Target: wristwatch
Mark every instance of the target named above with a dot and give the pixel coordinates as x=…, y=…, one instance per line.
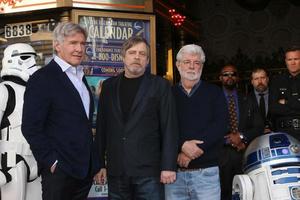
x=243, y=138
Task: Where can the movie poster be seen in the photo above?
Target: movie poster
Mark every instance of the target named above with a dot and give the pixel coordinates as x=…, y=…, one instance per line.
x=105, y=38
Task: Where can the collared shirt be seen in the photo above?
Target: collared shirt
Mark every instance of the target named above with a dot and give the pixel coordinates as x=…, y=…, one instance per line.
x=266, y=98
x=75, y=75
x=235, y=96
x=193, y=90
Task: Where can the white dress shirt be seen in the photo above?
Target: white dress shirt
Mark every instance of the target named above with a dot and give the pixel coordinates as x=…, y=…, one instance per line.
x=75, y=74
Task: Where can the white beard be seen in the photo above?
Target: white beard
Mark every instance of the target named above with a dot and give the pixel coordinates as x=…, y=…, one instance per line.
x=191, y=76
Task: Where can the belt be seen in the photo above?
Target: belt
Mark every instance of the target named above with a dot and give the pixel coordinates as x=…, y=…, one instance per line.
x=189, y=169
x=289, y=123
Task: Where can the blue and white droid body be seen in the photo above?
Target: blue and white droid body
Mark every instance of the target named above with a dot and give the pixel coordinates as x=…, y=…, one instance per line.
x=272, y=169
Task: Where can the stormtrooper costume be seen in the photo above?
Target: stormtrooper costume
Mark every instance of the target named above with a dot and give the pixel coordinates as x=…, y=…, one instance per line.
x=18, y=169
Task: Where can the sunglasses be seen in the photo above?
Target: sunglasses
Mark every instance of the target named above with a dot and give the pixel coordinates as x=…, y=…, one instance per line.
x=232, y=74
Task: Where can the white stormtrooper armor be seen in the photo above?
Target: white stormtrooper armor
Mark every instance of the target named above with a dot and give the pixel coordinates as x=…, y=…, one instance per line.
x=272, y=169
x=18, y=170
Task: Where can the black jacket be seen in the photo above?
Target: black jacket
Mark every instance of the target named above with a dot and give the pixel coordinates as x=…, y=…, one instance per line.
x=147, y=142
x=285, y=87
x=55, y=123
x=253, y=103
x=250, y=123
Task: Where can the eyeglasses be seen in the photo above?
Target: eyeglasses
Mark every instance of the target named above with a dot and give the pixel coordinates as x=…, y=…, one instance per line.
x=232, y=74
x=189, y=63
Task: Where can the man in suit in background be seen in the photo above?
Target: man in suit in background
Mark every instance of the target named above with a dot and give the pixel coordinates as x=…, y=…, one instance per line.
x=58, y=108
x=137, y=128
x=244, y=126
x=260, y=96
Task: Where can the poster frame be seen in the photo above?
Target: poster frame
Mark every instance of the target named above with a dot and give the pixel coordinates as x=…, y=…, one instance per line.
x=121, y=15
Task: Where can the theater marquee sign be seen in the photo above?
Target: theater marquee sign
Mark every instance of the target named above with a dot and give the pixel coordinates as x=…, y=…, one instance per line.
x=13, y=6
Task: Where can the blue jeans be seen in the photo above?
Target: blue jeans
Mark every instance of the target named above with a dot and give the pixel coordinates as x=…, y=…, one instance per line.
x=135, y=188
x=202, y=184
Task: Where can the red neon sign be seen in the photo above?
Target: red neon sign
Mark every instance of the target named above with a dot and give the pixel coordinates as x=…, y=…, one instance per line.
x=176, y=18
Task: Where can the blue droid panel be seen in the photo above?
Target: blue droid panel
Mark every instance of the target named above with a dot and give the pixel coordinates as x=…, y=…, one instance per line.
x=279, y=140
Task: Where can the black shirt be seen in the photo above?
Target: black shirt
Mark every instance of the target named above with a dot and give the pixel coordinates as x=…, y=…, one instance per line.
x=128, y=91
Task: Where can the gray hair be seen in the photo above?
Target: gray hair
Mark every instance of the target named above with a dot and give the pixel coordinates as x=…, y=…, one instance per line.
x=65, y=29
x=191, y=49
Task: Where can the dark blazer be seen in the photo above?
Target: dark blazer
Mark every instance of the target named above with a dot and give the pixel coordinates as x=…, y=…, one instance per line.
x=251, y=124
x=253, y=101
x=55, y=123
x=147, y=142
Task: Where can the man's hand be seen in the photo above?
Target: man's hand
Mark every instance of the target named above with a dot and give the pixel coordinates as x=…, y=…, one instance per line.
x=241, y=146
x=191, y=149
x=101, y=177
x=233, y=138
x=167, y=177
x=183, y=160
x=282, y=101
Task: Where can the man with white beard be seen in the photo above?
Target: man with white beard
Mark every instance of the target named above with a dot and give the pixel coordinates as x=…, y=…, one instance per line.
x=202, y=117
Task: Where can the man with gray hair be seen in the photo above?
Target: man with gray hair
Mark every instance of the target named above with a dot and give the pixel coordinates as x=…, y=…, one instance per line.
x=57, y=119
x=202, y=122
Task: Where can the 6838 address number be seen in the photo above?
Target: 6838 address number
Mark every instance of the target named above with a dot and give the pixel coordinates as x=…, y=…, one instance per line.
x=18, y=30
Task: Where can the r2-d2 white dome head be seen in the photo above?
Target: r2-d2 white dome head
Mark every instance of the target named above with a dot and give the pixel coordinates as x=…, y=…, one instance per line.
x=19, y=60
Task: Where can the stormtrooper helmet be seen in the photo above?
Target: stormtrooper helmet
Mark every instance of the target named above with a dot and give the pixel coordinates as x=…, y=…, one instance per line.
x=19, y=60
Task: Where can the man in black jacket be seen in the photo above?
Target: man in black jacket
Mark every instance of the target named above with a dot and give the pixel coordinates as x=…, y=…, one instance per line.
x=285, y=96
x=57, y=119
x=244, y=126
x=137, y=129
x=259, y=97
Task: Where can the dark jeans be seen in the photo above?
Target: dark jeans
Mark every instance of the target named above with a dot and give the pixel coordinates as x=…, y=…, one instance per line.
x=135, y=188
x=60, y=186
x=230, y=165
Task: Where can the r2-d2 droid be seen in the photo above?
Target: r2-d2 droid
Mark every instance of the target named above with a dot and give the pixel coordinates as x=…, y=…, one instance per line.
x=272, y=169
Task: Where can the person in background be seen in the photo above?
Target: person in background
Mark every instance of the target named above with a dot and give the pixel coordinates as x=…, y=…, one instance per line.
x=202, y=122
x=136, y=129
x=285, y=95
x=244, y=125
x=260, y=96
x=57, y=119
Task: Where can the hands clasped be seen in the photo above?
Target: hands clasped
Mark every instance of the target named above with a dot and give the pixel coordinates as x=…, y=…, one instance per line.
x=189, y=151
x=235, y=140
